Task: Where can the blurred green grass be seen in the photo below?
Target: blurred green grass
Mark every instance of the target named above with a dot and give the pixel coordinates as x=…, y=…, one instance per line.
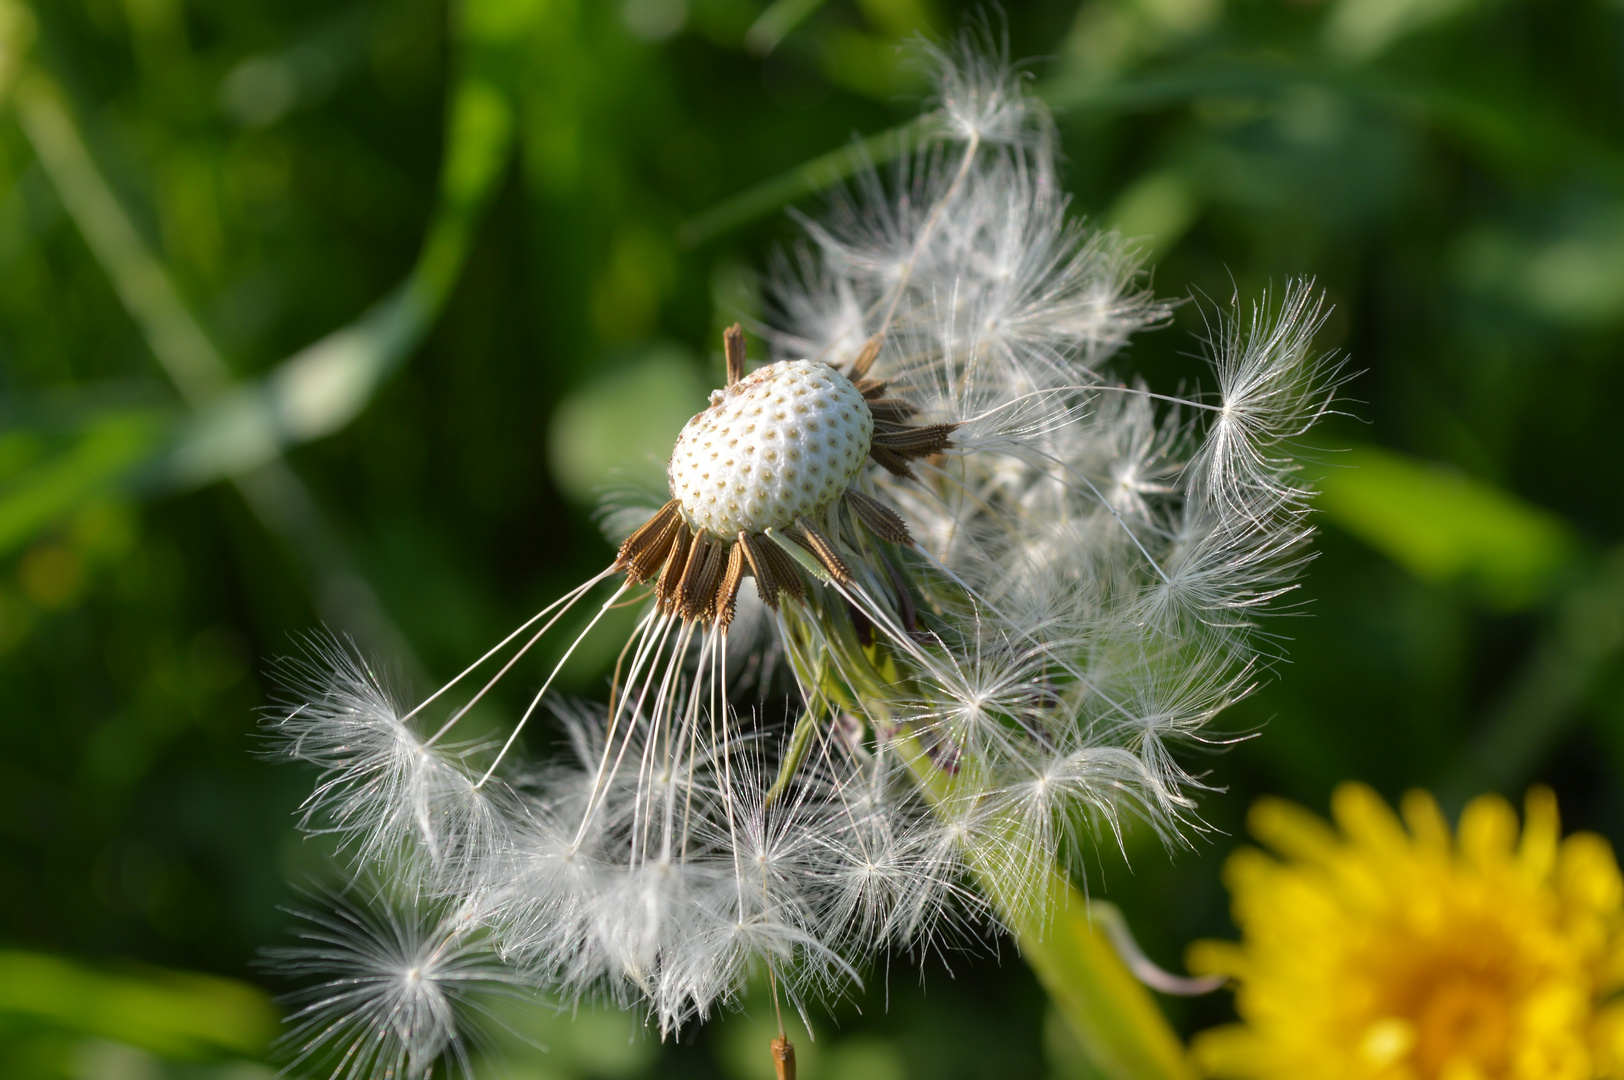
x=323, y=312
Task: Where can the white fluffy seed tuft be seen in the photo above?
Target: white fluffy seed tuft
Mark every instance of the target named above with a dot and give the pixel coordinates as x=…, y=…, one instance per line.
x=786, y=440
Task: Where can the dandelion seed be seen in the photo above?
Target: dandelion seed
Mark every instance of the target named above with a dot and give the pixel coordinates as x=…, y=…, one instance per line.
x=384, y=791
x=401, y=981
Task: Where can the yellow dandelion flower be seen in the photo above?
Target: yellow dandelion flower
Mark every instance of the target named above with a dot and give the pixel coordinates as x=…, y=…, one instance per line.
x=1389, y=950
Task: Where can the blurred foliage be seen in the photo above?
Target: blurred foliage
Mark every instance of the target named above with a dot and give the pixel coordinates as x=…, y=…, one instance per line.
x=1443, y=526
x=336, y=312
x=189, y=1017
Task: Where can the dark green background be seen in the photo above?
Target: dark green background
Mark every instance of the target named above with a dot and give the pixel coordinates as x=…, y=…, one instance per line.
x=1451, y=171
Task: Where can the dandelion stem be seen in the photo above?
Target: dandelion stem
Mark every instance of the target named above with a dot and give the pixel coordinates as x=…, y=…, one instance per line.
x=1119, y=1025
x=1121, y=1028
x=800, y=740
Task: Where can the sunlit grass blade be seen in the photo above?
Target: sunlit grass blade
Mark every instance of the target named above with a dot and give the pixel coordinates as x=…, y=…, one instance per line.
x=170, y=1013
x=775, y=23
x=1486, y=123
x=819, y=174
x=101, y=457
x=1445, y=526
x=241, y=426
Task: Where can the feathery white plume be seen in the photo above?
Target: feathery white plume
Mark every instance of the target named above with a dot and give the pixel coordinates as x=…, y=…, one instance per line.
x=401, y=981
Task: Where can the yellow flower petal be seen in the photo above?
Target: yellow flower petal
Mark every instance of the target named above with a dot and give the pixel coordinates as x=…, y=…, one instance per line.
x=1217, y=958
x=1542, y=830
x=1607, y=1041
x=1248, y=868
x=1426, y=821
x=1587, y=874
x=1291, y=830
x=1488, y=831
x=1366, y=819
x=1230, y=1051
x=1461, y=1068
x=1387, y=1042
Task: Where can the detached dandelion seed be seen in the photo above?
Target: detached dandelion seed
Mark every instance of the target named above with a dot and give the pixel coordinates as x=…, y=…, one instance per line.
x=1007, y=587
x=402, y=978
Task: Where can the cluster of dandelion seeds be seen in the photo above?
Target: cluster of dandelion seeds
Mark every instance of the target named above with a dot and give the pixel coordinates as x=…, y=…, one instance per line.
x=1006, y=587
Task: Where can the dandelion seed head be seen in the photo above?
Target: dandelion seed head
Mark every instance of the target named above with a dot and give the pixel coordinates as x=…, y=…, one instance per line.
x=935, y=601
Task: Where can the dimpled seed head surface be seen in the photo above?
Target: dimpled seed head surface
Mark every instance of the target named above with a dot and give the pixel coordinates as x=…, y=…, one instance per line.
x=783, y=441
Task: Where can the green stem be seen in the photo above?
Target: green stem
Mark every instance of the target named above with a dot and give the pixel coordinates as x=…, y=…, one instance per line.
x=1120, y=1027
x=1118, y=1024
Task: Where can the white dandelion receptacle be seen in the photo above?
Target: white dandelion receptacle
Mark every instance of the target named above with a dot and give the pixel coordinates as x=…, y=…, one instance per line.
x=783, y=442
